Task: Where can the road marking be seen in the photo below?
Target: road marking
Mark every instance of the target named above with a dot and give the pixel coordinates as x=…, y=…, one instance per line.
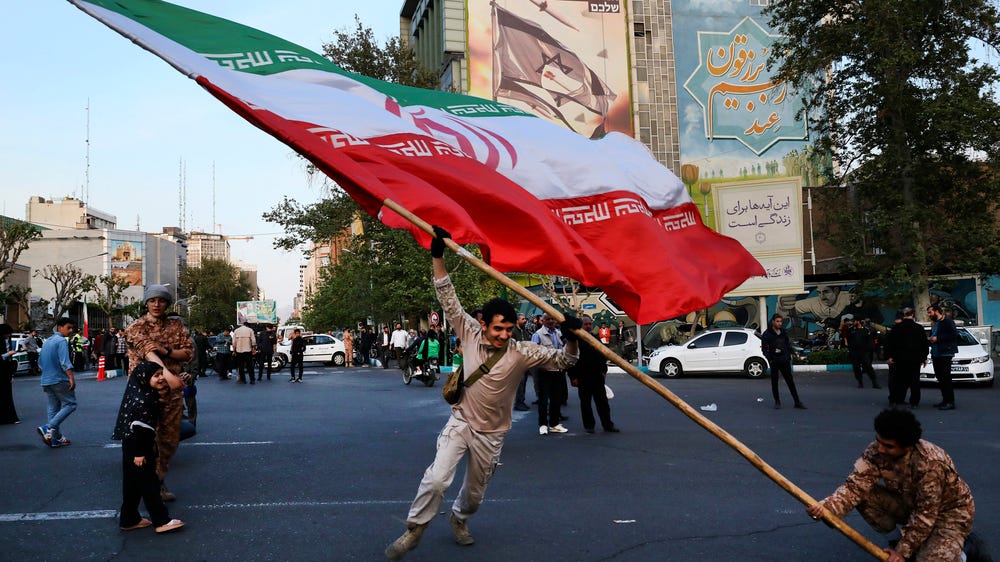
x=113, y=513
x=119, y=445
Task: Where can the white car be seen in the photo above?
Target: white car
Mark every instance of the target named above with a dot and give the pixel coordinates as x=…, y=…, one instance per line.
x=319, y=347
x=728, y=350
x=972, y=363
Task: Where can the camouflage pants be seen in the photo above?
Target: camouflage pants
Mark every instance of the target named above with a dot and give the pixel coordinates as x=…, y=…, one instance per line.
x=168, y=431
x=884, y=510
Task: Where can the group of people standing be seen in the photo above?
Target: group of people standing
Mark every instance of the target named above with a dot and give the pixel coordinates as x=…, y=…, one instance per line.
x=906, y=348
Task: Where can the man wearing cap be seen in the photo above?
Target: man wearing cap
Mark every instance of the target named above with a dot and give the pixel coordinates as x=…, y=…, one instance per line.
x=165, y=341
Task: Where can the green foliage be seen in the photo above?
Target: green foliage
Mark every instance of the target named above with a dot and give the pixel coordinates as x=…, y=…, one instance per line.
x=214, y=288
x=829, y=357
x=914, y=123
x=358, y=51
x=109, y=296
x=386, y=276
x=15, y=237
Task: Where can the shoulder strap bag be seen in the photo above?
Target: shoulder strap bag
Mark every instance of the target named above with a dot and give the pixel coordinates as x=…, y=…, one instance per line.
x=452, y=390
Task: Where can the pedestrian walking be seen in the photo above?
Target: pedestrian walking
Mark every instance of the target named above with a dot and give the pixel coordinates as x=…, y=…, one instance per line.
x=777, y=348
x=297, y=351
x=58, y=383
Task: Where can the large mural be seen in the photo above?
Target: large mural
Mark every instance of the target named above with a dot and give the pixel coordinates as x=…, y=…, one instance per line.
x=126, y=261
x=564, y=60
x=737, y=123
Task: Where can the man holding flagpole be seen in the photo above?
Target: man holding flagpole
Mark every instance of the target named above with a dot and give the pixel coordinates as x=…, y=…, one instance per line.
x=481, y=418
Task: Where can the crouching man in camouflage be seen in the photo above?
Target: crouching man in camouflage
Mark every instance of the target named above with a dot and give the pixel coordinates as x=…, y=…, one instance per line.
x=903, y=480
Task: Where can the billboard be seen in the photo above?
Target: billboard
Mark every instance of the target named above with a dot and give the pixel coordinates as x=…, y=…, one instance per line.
x=257, y=312
x=736, y=122
x=126, y=261
x=566, y=61
x=766, y=217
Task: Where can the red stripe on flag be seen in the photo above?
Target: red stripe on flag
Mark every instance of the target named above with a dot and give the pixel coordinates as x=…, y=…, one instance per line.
x=655, y=265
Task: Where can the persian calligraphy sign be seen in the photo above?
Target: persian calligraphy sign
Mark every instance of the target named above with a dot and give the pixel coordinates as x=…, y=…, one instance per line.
x=766, y=217
x=739, y=98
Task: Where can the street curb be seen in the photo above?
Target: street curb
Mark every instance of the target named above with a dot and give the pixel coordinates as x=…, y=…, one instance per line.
x=613, y=369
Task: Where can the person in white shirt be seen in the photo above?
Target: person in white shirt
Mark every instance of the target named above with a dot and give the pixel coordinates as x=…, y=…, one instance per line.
x=397, y=345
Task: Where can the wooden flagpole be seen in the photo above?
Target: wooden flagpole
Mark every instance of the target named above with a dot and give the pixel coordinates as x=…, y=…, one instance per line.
x=653, y=385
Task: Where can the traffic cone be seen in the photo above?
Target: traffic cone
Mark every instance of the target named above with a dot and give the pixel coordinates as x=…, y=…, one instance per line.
x=100, y=369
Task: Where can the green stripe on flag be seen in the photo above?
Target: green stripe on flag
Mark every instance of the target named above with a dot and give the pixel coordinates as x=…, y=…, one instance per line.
x=250, y=50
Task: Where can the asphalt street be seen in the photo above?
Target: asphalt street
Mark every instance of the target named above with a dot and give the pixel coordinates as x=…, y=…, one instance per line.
x=325, y=470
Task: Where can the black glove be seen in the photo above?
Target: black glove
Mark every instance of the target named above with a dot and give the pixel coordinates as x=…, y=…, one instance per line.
x=437, y=243
x=568, y=325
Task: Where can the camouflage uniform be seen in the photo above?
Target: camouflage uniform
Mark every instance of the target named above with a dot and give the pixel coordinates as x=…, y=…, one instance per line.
x=147, y=334
x=920, y=490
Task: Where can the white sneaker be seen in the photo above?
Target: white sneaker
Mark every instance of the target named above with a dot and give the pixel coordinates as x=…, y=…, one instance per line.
x=543, y=430
x=558, y=429
x=417, y=372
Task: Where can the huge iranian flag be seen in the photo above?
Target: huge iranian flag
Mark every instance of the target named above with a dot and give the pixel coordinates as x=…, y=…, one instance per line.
x=536, y=197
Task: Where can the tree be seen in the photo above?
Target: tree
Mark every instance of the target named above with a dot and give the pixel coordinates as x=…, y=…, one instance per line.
x=383, y=275
x=214, y=288
x=913, y=120
x=15, y=237
x=109, y=295
x=358, y=51
x=69, y=284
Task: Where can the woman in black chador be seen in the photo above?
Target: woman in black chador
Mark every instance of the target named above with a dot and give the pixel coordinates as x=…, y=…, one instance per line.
x=136, y=428
x=8, y=414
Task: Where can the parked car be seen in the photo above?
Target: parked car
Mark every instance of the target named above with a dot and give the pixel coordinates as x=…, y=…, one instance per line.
x=23, y=365
x=319, y=347
x=972, y=364
x=728, y=350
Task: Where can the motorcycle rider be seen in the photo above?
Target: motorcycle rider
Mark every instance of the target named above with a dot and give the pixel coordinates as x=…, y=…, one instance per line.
x=429, y=347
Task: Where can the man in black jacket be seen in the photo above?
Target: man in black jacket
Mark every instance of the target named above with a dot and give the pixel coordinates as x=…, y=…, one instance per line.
x=861, y=345
x=906, y=350
x=944, y=346
x=588, y=377
x=777, y=349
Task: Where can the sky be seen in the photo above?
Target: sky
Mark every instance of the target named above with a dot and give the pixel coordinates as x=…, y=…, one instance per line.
x=145, y=119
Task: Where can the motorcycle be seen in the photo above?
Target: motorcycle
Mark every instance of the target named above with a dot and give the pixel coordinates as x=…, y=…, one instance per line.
x=430, y=371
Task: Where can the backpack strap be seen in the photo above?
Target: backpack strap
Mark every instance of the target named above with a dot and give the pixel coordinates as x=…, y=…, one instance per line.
x=486, y=366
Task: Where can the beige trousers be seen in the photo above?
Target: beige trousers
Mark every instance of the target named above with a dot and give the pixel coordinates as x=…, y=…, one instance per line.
x=455, y=440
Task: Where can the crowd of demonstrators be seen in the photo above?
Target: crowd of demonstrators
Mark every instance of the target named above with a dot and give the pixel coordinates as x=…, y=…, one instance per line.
x=480, y=420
